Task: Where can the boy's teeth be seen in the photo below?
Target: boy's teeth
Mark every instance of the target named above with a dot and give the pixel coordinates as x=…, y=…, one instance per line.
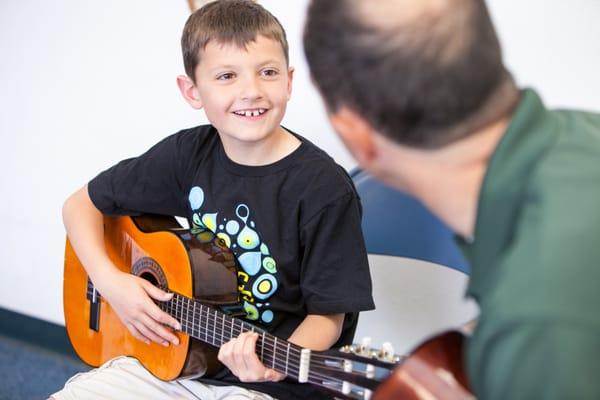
x=251, y=113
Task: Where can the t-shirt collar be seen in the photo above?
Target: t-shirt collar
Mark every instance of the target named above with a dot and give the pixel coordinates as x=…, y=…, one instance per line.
x=260, y=170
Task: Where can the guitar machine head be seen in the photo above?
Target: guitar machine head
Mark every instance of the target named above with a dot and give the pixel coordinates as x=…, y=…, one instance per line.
x=385, y=354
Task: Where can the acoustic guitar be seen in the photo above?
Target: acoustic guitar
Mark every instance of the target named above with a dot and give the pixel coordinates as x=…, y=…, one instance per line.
x=201, y=271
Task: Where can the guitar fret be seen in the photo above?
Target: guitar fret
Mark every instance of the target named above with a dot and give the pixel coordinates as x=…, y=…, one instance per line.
x=183, y=319
x=262, y=346
x=274, y=352
x=199, y=314
x=187, y=315
x=194, y=320
x=223, y=330
x=189, y=312
x=181, y=316
x=287, y=357
x=177, y=311
x=214, y=328
x=205, y=330
x=172, y=308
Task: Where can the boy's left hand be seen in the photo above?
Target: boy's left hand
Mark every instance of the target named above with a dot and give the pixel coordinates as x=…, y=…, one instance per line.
x=239, y=355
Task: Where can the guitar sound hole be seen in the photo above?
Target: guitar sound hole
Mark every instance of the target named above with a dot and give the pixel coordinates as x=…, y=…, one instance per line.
x=148, y=269
x=150, y=278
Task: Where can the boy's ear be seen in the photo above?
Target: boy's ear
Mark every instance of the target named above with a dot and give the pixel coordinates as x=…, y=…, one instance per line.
x=290, y=79
x=189, y=91
x=356, y=133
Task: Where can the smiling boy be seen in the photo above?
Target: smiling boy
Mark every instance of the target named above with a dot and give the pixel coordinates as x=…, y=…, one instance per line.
x=286, y=210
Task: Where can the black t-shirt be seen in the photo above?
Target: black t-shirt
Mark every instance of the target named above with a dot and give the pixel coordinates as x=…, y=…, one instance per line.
x=294, y=226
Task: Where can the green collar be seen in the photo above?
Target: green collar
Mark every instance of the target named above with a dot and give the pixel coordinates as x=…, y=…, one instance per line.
x=531, y=132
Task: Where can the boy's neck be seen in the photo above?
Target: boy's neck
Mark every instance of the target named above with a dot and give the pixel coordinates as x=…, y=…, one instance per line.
x=264, y=152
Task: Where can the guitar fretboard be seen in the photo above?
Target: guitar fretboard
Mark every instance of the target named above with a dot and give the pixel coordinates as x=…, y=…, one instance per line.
x=216, y=328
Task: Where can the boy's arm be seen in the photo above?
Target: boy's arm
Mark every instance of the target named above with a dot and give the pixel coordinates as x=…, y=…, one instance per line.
x=316, y=332
x=128, y=295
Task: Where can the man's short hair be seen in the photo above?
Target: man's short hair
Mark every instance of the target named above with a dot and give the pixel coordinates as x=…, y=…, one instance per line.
x=423, y=76
x=228, y=21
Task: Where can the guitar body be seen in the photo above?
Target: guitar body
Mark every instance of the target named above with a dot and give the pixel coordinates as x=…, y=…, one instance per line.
x=157, y=249
x=434, y=370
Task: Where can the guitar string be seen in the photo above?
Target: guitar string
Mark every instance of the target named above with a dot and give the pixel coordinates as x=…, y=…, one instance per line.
x=313, y=375
x=283, y=365
x=238, y=326
x=267, y=342
x=215, y=315
x=266, y=362
x=219, y=320
x=205, y=312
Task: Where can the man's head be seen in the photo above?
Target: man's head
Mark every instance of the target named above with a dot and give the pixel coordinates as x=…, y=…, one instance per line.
x=423, y=73
x=226, y=22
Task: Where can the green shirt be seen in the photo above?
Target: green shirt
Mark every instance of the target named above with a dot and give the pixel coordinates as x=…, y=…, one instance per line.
x=535, y=260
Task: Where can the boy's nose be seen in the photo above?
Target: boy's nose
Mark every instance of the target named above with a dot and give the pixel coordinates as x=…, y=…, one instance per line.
x=251, y=90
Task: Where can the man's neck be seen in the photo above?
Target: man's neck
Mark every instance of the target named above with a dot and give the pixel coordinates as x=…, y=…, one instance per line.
x=448, y=180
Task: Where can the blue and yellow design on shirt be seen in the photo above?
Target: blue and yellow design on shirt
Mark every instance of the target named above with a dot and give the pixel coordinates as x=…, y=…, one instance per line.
x=257, y=280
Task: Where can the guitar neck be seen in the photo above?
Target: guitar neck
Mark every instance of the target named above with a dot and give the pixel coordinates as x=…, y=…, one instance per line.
x=216, y=328
x=348, y=376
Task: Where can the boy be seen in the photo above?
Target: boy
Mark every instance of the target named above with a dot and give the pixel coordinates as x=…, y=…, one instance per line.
x=273, y=196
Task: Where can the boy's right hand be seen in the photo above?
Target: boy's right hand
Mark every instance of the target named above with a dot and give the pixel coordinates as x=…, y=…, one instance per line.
x=131, y=298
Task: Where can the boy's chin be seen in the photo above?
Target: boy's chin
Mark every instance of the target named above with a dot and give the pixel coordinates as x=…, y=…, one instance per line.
x=248, y=135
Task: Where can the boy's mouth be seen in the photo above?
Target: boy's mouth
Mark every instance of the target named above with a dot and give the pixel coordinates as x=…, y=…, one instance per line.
x=251, y=112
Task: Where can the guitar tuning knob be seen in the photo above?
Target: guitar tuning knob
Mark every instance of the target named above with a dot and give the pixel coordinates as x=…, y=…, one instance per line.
x=365, y=345
x=387, y=352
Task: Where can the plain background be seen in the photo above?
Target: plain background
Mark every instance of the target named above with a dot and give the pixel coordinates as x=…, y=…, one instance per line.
x=84, y=84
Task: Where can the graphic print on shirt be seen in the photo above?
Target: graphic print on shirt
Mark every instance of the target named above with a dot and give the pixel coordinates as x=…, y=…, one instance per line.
x=256, y=280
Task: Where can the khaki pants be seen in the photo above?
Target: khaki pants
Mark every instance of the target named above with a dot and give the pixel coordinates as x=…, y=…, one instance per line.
x=125, y=378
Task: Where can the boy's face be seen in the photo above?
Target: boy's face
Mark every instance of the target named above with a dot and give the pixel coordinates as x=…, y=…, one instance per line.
x=244, y=92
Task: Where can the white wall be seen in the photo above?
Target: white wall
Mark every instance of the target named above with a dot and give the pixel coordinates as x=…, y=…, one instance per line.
x=84, y=84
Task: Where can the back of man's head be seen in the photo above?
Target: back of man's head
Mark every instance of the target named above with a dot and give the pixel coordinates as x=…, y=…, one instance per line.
x=422, y=72
x=225, y=22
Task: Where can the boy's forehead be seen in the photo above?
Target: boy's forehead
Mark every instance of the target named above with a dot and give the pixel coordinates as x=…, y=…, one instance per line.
x=260, y=49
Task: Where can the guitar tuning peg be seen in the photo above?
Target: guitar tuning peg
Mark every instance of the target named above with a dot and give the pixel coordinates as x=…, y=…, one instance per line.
x=365, y=345
x=387, y=352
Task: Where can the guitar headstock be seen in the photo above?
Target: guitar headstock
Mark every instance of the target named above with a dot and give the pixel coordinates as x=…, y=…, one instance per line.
x=354, y=371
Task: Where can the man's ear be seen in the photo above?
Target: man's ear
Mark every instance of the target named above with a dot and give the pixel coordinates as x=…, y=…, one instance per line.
x=189, y=91
x=356, y=133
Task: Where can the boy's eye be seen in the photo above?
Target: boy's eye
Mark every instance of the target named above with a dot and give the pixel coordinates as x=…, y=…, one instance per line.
x=269, y=72
x=226, y=76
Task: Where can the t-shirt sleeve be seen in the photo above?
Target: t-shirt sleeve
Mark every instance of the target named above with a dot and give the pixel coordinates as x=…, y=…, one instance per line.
x=335, y=271
x=150, y=183
x=532, y=360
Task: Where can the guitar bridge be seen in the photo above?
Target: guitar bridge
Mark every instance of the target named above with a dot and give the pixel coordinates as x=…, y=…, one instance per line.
x=94, y=297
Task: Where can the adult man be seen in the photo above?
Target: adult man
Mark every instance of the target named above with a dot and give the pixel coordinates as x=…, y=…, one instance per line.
x=418, y=92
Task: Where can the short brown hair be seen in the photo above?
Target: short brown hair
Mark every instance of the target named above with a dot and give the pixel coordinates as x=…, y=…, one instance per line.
x=228, y=21
x=422, y=81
